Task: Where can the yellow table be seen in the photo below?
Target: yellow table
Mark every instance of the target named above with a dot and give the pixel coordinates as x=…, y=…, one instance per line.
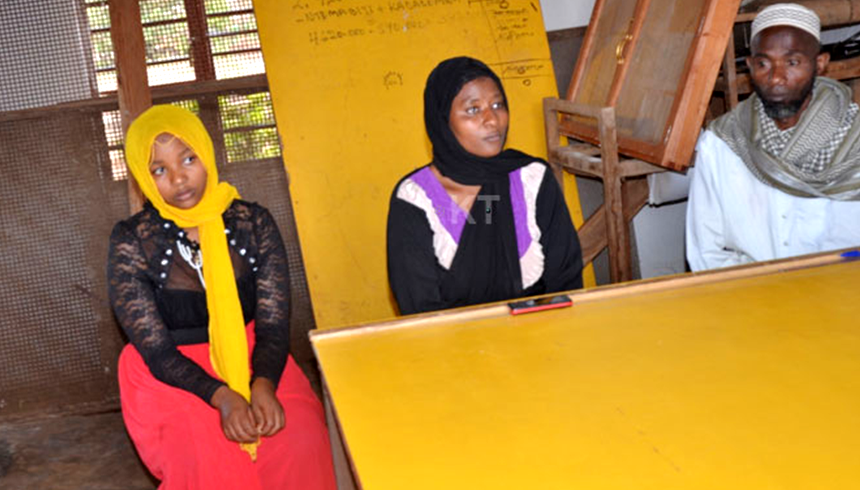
x=748, y=378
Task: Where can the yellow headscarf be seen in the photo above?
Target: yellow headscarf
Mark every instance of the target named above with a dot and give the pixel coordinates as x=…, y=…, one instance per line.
x=228, y=344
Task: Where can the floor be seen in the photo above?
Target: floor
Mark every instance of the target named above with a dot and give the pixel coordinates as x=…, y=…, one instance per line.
x=92, y=452
x=76, y=452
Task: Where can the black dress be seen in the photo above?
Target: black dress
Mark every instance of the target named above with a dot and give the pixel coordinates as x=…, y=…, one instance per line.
x=160, y=302
x=434, y=262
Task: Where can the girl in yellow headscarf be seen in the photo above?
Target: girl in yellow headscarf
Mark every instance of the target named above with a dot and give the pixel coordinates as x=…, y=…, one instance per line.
x=199, y=282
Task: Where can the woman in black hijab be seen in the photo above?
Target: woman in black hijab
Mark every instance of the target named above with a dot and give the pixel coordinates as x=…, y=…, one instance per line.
x=479, y=223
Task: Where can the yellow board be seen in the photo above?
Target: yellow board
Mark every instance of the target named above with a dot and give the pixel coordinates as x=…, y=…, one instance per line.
x=347, y=80
x=747, y=383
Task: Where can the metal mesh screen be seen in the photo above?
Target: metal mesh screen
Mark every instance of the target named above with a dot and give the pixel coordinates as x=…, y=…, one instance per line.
x=227, y=44
x=45, y=57
x=233, y=38
x=249, y=127
x=98, y=21
x=168, y=43
x=65, y=182
x=59, y=342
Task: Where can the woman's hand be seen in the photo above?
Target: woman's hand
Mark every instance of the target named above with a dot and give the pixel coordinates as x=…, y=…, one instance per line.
x=237, y=421
x=267, y=410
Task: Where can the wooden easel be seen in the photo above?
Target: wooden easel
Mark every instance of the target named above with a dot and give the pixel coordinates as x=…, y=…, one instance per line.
x=625, y=188
x=658, y=116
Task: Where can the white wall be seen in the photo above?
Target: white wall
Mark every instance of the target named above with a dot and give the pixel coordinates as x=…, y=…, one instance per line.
x=659, y=232
x=565, y=14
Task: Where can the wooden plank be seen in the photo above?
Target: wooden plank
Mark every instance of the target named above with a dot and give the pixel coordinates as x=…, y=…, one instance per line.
x=631, y=167
x=730, y=74
x=587, y=46
x=616, y=226
x=625, y=48
x=635, y=192
x=201, y=52
x=578, y=162
x=553, y=139
x=602, y=293
x=628, y=146
x=247, y=84
x=132, y=83
x=689, y=111
x=592, y=235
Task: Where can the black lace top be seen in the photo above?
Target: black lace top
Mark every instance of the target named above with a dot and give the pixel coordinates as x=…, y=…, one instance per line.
x=160, y=302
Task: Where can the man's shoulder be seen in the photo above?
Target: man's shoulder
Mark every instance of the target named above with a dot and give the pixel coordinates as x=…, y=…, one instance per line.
x=710, y=142
x=715, y=159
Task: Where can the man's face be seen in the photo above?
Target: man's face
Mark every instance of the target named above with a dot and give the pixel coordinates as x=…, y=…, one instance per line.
x=783, y=67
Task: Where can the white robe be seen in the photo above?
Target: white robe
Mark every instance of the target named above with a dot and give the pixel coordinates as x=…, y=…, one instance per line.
x=733, y=218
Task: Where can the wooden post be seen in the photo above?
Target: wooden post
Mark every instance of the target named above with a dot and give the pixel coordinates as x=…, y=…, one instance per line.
x=132, y=83
x=616, y=225
x=730, y=74
x=201, y=53
x=624, y=184
x=204, y=70
x=550, y=119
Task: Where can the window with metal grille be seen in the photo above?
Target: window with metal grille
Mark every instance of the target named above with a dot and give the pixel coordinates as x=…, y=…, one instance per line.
x=233, y=38
x=188, y=41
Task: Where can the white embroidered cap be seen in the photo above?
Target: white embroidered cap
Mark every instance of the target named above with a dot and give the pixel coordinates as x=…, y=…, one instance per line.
x=787, y=14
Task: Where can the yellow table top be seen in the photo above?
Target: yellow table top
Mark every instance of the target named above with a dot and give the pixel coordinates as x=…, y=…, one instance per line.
x=747, y=383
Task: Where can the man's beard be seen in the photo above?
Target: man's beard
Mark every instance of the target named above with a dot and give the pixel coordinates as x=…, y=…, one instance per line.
x=786, y=109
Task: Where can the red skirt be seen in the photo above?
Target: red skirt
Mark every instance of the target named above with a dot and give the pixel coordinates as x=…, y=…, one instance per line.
x=179, y=436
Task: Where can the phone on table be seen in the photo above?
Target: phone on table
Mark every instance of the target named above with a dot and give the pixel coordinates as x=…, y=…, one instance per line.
x=540, y=304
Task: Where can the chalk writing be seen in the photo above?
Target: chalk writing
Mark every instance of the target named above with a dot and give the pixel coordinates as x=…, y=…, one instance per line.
x=323, y=15
x=400, y=27
x=323, y=36
x=510, y=24
x=392, y=79
x=524, y=68
x=305, y=4
x=331, y=21
x=418, y=4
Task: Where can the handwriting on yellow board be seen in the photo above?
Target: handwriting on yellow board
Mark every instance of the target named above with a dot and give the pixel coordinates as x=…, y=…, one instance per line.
x=323, y=9
x=523, y=70
x=392, y=79
x=337, y=20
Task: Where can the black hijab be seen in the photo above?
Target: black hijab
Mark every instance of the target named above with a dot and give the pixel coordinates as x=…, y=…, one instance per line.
x=452, y=160
x=486, y=266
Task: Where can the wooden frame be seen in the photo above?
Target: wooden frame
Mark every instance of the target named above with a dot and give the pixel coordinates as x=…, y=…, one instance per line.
x=132, y=82
x=501, y=309
x=625, y=189
x=701, y=67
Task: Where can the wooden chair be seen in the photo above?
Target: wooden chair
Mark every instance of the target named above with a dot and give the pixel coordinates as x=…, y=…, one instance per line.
x=625, y=188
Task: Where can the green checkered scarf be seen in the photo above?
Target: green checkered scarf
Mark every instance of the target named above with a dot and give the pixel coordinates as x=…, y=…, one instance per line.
x=826, y=124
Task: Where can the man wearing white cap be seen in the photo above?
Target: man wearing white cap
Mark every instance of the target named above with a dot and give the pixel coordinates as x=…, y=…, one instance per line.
x=779, y=175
